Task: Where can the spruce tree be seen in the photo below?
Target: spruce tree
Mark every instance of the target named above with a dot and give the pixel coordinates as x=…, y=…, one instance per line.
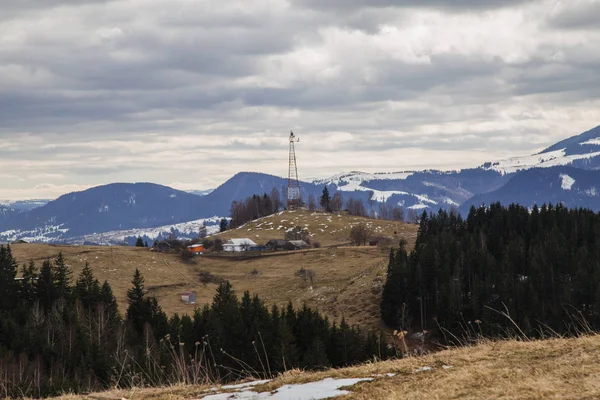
x=139, y=242
x=325, y=200
x=62, y=277
x=8, y=272
x=223, y=225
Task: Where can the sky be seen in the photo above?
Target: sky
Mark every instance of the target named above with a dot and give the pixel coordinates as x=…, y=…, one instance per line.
x=187, y=93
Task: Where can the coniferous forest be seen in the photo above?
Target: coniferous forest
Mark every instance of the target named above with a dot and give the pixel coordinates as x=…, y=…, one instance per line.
x=60, y=333
x=502, y=271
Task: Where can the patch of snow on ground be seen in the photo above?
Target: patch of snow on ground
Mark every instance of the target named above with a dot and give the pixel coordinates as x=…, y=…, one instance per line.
x=567, y=182
x=325, y=389
x=422, y=369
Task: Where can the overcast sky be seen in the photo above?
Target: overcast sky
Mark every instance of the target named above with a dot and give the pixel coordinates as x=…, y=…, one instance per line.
x=189, y=92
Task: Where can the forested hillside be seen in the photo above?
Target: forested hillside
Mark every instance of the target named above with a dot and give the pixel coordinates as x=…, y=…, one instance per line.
x=467, y=275
x=60, y=336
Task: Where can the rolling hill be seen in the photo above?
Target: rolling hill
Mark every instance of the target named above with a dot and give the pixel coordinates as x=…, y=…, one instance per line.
x=348, y=279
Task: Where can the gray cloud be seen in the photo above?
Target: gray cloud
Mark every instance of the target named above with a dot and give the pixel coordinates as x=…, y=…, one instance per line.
x=132, y=91
x=456, y=5
x=576, y=14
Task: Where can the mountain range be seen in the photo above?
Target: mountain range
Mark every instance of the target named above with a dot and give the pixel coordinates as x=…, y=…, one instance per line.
x=567, y=172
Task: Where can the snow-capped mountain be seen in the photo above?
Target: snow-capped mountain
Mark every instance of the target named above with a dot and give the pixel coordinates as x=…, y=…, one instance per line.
x=201, y=192
x=566, y=172
x=582, y=151
x=23, y=205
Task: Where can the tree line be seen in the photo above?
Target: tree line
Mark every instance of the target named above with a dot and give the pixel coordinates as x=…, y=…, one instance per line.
x=59, y=334
x=500, y=271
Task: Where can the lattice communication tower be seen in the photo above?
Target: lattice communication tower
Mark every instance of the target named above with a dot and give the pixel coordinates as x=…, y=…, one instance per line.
x=293, y=195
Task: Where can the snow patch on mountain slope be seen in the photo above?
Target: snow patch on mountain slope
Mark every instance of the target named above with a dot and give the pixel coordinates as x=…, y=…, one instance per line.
x=541, y=160
x=45, y=234
x=185, y=231
x=595, y=141
x=360, y=177
x=566, y=182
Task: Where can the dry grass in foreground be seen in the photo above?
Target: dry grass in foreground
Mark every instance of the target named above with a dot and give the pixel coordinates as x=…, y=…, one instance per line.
x=549, y=369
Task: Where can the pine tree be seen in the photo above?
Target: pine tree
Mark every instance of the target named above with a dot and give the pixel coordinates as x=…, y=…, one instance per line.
x=325, y=200
x=46, y=290
x=136, y=312
x=87, y=288
x=139, y=242
x=110, y=302
x=8, y=286
x=62, y=277
x=223, y=225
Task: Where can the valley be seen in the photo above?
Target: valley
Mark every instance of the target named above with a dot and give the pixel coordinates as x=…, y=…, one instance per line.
x=347, y=279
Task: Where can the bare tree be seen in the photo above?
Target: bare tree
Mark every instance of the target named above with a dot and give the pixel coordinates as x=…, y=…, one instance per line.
x=202, y=232
x=413, y=216
x=275, y=200
x=359, y=234
x=398, y=213
x=336, y=202
x=312, y=203
x=356, y=207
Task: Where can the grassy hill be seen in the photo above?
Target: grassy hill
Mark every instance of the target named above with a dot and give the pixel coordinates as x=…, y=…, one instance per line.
x=327, y=229
x=348, y=279
x=557, y=368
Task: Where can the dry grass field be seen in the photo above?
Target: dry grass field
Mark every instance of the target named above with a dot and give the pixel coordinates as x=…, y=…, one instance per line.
x=328, y=229
x=348, y=279
x=510, y=370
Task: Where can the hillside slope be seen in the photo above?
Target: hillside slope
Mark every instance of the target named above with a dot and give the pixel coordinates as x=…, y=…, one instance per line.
x=348, y=280
x=556, y=368
x=572, y=187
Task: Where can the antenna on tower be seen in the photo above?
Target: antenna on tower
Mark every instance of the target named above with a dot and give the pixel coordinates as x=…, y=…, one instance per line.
x=293, y=195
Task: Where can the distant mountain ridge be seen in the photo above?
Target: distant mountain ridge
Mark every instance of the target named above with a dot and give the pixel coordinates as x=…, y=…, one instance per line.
x=127, y=207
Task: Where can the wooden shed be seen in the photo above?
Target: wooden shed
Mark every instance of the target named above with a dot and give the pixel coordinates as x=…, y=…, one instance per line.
x=189, y=298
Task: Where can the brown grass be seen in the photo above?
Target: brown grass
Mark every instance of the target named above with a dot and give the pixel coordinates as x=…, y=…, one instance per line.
x=348, y=279
x=558, y=368
x=328, y=229
x=550, y=369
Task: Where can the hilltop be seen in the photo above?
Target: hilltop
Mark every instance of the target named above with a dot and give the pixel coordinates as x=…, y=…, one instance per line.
x=556, y=368
x=348, y=279
x=326, y=228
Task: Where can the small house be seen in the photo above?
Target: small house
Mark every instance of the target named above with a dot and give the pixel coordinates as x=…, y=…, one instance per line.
x=196, y=249
x=189, y=298
x=299, y=244
x=162, y=247
x=236, y=245
x=276, y=244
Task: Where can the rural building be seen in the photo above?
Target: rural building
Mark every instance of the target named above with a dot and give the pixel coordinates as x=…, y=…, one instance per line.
x=299, y=244
x=276, y=244
x=163, y=247
x=243, y=244
x=189, y=297
x=196, y=249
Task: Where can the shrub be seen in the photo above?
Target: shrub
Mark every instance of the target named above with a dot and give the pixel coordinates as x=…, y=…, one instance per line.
x=316, y=244
x=186, y=256
x=206, y=277
x=359, y=234
x=306, y=275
